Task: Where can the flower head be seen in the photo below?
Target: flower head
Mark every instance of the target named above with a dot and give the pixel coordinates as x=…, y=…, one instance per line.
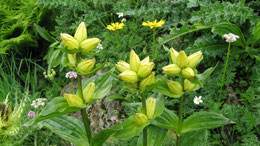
x=99, y=46
x=123, y=20
x=31, y=114
x=230, y=37
x=71, y=74
x=115, y=26
x=114, y=120
x=50, y=74
x=120, y=14
x=197, y=100
x=38, y=102
x=154, y=24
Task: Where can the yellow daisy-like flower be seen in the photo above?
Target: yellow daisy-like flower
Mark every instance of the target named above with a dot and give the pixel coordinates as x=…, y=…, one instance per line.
x=115, y=26
x=154, y=24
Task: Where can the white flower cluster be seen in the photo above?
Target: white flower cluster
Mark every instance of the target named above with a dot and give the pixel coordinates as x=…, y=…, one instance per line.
x=71, y=74
x=38, y=102
x=230, y=37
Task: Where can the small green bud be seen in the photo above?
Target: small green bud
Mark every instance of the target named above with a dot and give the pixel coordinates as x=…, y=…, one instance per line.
x=150, y=107
x=89, y=44
x=188, y=85
x=129, y=76
x=140, y=119
x=122, y=66
x=174, y=87
x=69, y=41
x=86, y=66
x=73, y=100
x=174, y=55
x=134, y=61
x=182, y=59
x=194, y=59
x=188, y=73
x=147, y=81
x=81, y=33
x=89, y=92
x=172, y=69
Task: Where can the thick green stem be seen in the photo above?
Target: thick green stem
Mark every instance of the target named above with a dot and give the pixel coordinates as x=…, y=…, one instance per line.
x=71, y=85
x=224, y=73
x=153, y=51
x=83, y=111
x=145, y=129
x=178, y=143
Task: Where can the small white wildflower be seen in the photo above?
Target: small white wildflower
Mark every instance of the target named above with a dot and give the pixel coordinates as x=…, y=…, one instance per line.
x=38, y=102
x=123, y=20
x=71, y=74
x=120, y=14
x=197, y=100
x=230, y=37
x=99, y=46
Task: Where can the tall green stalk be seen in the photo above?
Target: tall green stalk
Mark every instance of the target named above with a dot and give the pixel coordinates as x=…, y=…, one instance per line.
x=153, y=51
x=224, y=73
x=136, y=16
x=83, y=111
x=145, y=129
x=178, y=142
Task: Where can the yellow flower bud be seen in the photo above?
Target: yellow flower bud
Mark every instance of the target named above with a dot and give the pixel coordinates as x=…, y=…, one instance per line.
x=172, y=69
x=122, y=66
x=86, y=66
x=150, y=107
x=140, y=119
x=134, y=61
x=145, y=70
x=174, y=87
x=182, y=59
x=69, y=41
x=174, y=55
x=145, y=60
x=188, y=72
x=188, y=85
x=194, y=59
x=81, y=33
x=147, y=81
x=72, y=59
x=89, y=44
x=129, y=76
x=73, y=100
x=88, y=92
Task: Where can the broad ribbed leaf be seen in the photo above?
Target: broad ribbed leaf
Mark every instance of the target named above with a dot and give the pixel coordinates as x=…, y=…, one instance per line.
x=185, y=29
x=204, y=120
x=69, y=128
x=155, y=136
x=103, y=135
x=43, y=33
x=130, y=129
x=225, y=28
x=56, y=107
x=195, y=138
x=168, y=119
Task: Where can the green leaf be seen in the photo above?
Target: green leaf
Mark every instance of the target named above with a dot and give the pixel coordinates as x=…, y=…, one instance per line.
x=43, y=33
x=225, y=28
x=195, y=138
x=256, y=34
x=130, y=129
x=103, y=135
x=204, y=120
x=185, y=29
x=69, y=128
x=56, y=107
x=103, y=84
x=202, y=77
x=155, y=136
x=168, y=119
